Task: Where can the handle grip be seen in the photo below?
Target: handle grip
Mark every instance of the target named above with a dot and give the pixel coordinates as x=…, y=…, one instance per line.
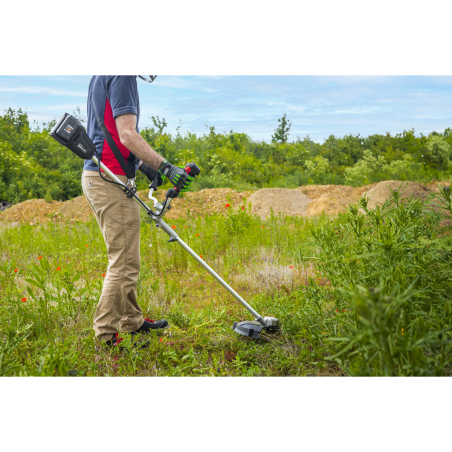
x=155, y=182
x=172, y=193
x=192, y=169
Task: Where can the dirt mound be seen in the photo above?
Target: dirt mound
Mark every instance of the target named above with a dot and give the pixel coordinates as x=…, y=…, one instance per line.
x=329, y=205
x=309, y=200
x=331, y=199
x=342, y=192
x=281, y=200
x=433, y=184
x=38, y=211
x=380, y=192
x=33, y=211
x=202, y=202
x=76, y=209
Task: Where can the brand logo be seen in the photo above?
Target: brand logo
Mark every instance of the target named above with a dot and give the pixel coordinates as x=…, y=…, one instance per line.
x=90, y=183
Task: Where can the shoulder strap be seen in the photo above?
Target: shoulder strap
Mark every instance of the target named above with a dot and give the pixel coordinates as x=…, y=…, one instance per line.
x=111, y=142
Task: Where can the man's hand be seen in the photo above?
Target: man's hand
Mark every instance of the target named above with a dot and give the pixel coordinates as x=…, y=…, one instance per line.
x=132, y=140
x=177, y=176
x=151, y=173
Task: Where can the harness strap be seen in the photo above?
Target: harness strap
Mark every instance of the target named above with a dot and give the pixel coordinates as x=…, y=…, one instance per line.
x=111, y=142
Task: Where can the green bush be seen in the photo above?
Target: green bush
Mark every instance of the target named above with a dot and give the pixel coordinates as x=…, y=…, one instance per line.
x=33, y=165
x=390, y=268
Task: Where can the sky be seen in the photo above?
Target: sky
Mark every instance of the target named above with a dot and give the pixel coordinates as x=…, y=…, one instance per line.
x=317, y=106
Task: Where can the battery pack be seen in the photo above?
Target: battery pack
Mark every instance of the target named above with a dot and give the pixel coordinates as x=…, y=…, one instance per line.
x=69, y=132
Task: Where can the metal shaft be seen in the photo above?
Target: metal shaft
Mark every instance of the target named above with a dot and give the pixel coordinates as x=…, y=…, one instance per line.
x=173, y=235
x=160, y=223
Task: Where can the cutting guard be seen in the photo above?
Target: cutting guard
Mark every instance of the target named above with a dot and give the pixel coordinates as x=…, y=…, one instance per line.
x=250, y=328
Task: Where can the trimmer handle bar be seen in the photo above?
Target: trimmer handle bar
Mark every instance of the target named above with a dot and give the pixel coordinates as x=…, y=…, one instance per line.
x=192, y=169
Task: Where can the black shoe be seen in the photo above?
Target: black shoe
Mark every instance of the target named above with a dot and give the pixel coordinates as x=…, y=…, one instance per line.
x=115, y=342
x=150, y=325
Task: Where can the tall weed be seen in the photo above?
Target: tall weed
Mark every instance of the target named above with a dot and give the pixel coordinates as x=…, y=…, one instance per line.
x=388, y=266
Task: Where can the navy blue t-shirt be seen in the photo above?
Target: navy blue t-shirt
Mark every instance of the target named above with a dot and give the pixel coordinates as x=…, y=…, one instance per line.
x=113, y=95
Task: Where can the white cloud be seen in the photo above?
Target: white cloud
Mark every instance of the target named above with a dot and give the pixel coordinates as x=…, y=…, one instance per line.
x=41, y=90
x=315, y=105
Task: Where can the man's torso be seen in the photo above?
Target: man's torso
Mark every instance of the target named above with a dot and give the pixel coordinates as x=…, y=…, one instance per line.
x=113, y=95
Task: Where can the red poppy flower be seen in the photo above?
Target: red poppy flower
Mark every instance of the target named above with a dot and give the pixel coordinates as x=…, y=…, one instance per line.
x=343, y=310
x=174, y=227
x=227, y=205
x=23, y=299
x=197, y=235
x=161, y=339
x=337, y=310
x=87, y=246
x=16, y=270
x=263, y=227
x=233, y=269
x=186, y=227
x=243, y=207
x=40, y=257
x=104, y=275
x=200, y=256
x=291, y=266
x=58, y=269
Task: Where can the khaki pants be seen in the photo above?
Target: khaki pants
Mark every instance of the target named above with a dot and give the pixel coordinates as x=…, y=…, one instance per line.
x=119, y=220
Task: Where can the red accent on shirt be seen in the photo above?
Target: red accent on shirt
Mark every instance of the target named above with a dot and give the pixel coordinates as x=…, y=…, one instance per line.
x=108, y=158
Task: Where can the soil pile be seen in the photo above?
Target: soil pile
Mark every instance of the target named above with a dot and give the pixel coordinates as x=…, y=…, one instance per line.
x=281, y=200
x=330, y=199
x=343, y=192
x=380, y=192
x=202, y=202
x=33, y=211
x=330, y=205
x=38, y=211
x=309, y=201
x=76, y=209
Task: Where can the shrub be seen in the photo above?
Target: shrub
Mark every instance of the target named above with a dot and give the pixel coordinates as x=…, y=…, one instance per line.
x=388, y=266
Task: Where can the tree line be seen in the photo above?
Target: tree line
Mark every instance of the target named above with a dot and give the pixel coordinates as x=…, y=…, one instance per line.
x=33, y=165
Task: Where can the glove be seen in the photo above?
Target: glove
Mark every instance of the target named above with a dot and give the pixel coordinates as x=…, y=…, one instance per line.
x=177, y=176
x=151, y=173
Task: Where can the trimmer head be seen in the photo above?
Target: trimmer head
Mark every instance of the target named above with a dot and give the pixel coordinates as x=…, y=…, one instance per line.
x=253, y=328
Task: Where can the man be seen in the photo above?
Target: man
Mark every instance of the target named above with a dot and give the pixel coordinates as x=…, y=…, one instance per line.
x=117, y=104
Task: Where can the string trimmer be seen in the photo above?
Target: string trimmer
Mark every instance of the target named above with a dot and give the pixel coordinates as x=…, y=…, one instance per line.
x=70, y=133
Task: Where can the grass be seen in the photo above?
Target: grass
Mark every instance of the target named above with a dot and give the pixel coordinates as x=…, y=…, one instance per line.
x=363, y=294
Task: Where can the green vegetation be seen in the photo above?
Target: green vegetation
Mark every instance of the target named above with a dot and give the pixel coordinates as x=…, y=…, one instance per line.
x=33, y=165
x=365, y=294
